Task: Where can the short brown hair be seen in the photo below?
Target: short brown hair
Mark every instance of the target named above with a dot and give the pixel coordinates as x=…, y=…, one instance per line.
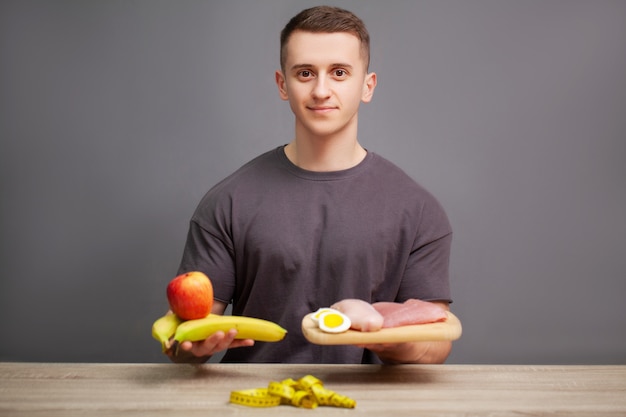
x=325, y=19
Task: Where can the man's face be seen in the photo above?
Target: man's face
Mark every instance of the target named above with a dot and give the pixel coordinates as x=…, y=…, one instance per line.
x=325, y=79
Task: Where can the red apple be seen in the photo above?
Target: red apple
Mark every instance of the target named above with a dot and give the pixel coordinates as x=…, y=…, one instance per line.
x=190, y=295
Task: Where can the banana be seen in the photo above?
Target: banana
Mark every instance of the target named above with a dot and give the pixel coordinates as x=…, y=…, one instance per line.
x=247, y=328
x=164, y=328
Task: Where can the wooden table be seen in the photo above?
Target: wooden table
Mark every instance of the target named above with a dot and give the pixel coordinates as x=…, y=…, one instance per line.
x=48, y=389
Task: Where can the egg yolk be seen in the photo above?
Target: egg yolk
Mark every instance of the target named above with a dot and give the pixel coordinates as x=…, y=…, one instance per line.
x=332, y=320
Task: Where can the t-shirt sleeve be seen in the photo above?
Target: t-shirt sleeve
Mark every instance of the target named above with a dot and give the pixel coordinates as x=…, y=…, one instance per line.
x=427, y=274
x=212, y=254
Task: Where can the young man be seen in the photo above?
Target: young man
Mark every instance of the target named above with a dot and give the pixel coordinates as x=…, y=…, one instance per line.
x=320, y=219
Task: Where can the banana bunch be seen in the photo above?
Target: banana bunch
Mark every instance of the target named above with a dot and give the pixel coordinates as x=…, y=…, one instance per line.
x=171, y=326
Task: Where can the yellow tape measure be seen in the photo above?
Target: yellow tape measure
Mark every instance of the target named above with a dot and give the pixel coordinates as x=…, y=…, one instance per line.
x=254, y=398
x=307, y=392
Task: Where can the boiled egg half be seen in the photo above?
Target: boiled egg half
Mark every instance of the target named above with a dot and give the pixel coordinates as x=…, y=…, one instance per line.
x=333, y=321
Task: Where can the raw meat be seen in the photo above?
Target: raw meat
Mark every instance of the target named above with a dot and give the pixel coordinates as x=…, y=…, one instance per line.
x=410, y=312
x=363, y=315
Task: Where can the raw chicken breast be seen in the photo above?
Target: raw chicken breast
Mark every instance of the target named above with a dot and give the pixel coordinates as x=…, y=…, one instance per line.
x=410, y=312
x=363, y=315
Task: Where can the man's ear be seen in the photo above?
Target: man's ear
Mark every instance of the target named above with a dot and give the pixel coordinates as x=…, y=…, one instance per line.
x=368, y=87
x=281, y=84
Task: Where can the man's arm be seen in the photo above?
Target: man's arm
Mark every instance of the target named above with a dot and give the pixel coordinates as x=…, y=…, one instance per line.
x=413, y=352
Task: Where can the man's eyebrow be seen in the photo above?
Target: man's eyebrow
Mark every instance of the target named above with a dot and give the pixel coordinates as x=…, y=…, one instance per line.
x=335, y=65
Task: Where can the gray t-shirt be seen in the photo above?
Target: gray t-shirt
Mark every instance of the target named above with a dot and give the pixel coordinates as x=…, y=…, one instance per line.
x=280, y=242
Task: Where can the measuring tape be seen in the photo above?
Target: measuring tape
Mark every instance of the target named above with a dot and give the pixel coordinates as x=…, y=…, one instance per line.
x=307, y=392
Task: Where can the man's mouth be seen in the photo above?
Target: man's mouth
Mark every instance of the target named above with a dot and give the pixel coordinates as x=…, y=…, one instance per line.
x=322, y=109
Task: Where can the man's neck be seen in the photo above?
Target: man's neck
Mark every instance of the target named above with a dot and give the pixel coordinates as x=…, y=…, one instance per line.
x=325, y=155
x=334, y=152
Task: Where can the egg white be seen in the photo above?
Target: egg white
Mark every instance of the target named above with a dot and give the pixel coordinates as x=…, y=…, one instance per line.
x=315, y=316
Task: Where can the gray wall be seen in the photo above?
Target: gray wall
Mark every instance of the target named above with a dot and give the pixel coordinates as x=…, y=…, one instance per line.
x=117, y=116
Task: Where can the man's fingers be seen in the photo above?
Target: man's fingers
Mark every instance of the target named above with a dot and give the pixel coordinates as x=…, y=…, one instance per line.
x=242, y=343
x=215, y=343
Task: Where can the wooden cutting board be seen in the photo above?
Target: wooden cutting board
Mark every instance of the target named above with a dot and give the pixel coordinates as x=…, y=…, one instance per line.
x=450, y=329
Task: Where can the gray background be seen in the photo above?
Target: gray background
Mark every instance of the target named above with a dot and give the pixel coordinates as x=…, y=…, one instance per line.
x=117, y=116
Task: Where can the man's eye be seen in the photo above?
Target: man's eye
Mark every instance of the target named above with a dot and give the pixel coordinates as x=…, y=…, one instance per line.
x=340, y=73
x=305, y=74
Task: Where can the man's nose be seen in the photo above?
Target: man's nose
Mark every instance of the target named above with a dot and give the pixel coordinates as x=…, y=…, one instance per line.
x=321, y=89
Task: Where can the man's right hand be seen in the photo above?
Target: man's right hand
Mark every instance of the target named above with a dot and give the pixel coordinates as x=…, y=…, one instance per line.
x=201, y=351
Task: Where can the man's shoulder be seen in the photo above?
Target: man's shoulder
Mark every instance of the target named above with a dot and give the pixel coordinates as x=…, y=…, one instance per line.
x=252, y=169
x=246, y=176
x=266, y=160
x=393, y=175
